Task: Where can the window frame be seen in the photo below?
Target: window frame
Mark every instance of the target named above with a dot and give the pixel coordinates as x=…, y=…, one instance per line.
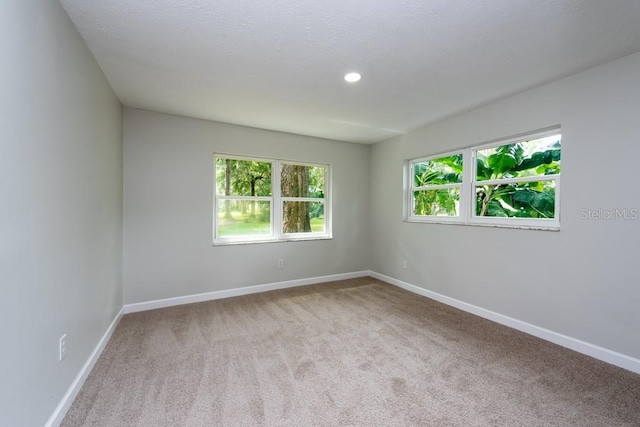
x=467, y=213
x=412, y=188
x=276, y=200
x=324, y=200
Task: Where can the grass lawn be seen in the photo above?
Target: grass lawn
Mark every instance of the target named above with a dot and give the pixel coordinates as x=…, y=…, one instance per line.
x=243, y=225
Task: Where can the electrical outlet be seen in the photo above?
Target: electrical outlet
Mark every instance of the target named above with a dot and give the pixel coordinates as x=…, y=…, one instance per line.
x=62, y=347
x=280, y=263
x=405, y=264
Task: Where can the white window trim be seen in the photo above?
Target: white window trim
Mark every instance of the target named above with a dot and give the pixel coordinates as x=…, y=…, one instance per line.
x=276, y=200
x=410, y=189
x=467, y=215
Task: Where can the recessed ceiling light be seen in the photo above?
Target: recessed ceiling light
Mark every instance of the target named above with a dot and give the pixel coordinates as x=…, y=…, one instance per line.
x=352, y=77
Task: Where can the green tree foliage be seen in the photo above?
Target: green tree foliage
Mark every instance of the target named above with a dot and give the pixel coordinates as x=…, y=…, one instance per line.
x=443, y=170
x=247, y=177
x=243, y=178
x=520, y=200
x=316, y=190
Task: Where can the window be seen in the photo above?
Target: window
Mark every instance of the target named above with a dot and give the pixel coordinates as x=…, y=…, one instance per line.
x=512, y=183
x=269, y=200
x=437, y=186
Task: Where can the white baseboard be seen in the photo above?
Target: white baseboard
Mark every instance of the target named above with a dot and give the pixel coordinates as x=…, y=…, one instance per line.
x=208, y=296
x=61, y=410
x=600, y=353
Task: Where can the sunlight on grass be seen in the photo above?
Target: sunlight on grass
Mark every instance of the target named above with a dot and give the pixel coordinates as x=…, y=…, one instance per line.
x=245, y=225
x=317, y=224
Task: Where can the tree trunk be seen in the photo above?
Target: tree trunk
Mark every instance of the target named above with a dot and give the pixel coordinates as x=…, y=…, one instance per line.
x=295, y=183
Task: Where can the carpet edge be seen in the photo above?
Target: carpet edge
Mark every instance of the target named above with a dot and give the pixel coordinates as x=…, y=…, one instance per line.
x=227, y=293
x=603, y=354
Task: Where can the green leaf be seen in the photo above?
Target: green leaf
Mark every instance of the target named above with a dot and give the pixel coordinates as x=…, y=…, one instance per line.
x=454, y=163
x=539, y=158
x=494, y=208
x=524, y=197
x=482, y=170
x=500, y=163
x=505, y=158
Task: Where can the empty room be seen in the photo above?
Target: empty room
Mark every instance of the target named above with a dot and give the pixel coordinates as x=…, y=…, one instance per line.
x=334, y=213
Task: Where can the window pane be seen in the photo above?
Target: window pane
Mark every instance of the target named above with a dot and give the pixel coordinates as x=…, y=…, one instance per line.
x=443, y=170
x=242, y=177
x=303, y=217
x=522, y=200
x=526, y=158
x=302, y=181
x=444, y=202
x=243, y=218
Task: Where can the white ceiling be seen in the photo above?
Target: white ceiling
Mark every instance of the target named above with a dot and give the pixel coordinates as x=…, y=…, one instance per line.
x=279, y=64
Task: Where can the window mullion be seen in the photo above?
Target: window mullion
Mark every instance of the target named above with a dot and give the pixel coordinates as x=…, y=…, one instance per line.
x=557, y=205
x=437, y=187
x=276, y=208
x=302, y=199
x=408, y=191
x=535, y=178
x=466, y=194
x=256, y=198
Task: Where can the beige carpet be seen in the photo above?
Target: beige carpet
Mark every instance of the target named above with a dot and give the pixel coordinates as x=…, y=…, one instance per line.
x=351, y=353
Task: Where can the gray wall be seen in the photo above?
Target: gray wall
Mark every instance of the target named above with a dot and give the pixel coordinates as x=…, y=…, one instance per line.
x=168, y=208
x=581, y=281
x=61, y=213
x=60, y=210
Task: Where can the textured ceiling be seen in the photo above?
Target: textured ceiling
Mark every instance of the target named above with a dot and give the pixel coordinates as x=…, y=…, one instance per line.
x=279, y=64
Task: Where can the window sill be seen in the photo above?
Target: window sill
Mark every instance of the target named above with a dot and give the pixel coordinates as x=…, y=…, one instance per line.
x=481, y=224
x=253, y=242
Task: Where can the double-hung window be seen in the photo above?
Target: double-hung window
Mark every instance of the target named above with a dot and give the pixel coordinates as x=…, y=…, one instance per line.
x=269, y=200
x=436, y=187
x=302, y=198
x=511, y=183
